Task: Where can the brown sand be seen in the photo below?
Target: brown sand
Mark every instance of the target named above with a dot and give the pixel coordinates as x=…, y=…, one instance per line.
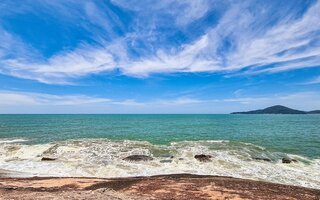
x=182, y=186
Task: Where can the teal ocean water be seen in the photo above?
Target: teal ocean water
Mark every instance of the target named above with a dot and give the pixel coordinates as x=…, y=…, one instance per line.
x=94, y=145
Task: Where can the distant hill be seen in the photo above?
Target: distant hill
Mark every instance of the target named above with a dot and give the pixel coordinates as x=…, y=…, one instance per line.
x=278, y=109
x=314, y=112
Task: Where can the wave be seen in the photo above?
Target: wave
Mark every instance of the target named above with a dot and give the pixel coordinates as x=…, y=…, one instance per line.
x=12, y=140
x=104, y=158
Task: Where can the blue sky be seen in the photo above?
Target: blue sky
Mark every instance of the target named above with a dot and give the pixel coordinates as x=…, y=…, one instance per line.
x=134, y=56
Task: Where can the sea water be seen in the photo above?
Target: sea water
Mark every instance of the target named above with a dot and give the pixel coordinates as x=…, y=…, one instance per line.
x=95, y=145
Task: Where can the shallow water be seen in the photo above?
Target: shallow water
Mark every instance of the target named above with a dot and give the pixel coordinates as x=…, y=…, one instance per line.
x=94, y=145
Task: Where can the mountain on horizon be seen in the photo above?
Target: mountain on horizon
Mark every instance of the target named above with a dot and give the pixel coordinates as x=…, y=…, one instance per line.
x=278, y=109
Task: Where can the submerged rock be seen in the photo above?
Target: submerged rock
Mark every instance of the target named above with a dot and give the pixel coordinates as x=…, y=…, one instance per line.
x=138, y=158
x=288, y=160
x=264, y=159
x=203, y=157
x=47, y=159
x=166, y=156
x=166, y=161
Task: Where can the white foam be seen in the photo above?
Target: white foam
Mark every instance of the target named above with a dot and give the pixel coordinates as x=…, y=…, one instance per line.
x=12, y=140
x=104, y=158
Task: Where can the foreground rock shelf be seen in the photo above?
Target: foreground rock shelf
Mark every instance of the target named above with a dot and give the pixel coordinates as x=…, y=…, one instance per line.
x=180, y=186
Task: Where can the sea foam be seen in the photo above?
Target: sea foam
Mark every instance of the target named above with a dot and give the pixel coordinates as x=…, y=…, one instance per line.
x=12, y=140
x=104, y=158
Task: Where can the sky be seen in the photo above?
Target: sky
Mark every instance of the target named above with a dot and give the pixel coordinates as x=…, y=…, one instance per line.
x=166, y=56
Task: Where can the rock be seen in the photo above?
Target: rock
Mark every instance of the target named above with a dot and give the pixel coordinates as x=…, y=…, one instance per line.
x=264, y=159
x=47, y=159
x=288, y=160
x=165, y=161
x=138, y=158
x=203, y=157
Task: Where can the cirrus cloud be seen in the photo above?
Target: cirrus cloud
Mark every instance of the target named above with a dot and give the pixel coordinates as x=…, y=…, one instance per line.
x=251, y=45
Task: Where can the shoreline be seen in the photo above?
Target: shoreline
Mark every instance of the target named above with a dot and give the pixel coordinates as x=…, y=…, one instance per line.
x=107, y=158
x=172, y=186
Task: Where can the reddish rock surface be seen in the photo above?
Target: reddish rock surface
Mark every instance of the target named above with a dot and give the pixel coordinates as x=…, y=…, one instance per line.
x=182, y=186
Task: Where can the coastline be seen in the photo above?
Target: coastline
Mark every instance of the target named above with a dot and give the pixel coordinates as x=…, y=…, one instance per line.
x=173, y=186
x=126, y=158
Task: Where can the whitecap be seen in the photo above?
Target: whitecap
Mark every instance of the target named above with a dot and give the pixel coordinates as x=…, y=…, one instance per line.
x=104, y=158
x=12, y=140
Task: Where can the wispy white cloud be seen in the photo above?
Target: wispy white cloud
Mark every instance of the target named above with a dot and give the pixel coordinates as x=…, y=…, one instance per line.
x=183, y=12
x=289, y=44
x=11, y=46
x=188, y=59
x=61, y=67
x=313, y=81
x=128, y=102
x=310, y=101
x=179, y=101
x=37, y=99
x=24, y=102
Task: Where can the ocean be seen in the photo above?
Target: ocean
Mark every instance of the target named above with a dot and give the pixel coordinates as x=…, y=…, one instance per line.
x=95, y=145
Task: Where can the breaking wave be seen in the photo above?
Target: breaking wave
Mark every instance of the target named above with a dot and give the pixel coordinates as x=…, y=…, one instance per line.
x=104, y=158
x=12, y=140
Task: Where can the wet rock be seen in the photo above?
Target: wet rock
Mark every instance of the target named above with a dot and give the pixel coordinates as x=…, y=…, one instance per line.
x=47, y=159
x=203, y=157
x=263, y=159
x=138, y=158
x=166, y=161
x=167, y=156
x=288, y=160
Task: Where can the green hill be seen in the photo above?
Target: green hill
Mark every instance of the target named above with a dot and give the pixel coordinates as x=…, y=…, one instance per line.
x=278, y=109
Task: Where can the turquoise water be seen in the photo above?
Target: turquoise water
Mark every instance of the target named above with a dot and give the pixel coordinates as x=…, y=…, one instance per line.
x=294, y=134
x=96, y=145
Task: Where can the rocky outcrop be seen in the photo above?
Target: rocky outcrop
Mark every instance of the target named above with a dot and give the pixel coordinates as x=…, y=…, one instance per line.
x=203, y=157
x=288, y=160
x=161, y=187
x=138, y=158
